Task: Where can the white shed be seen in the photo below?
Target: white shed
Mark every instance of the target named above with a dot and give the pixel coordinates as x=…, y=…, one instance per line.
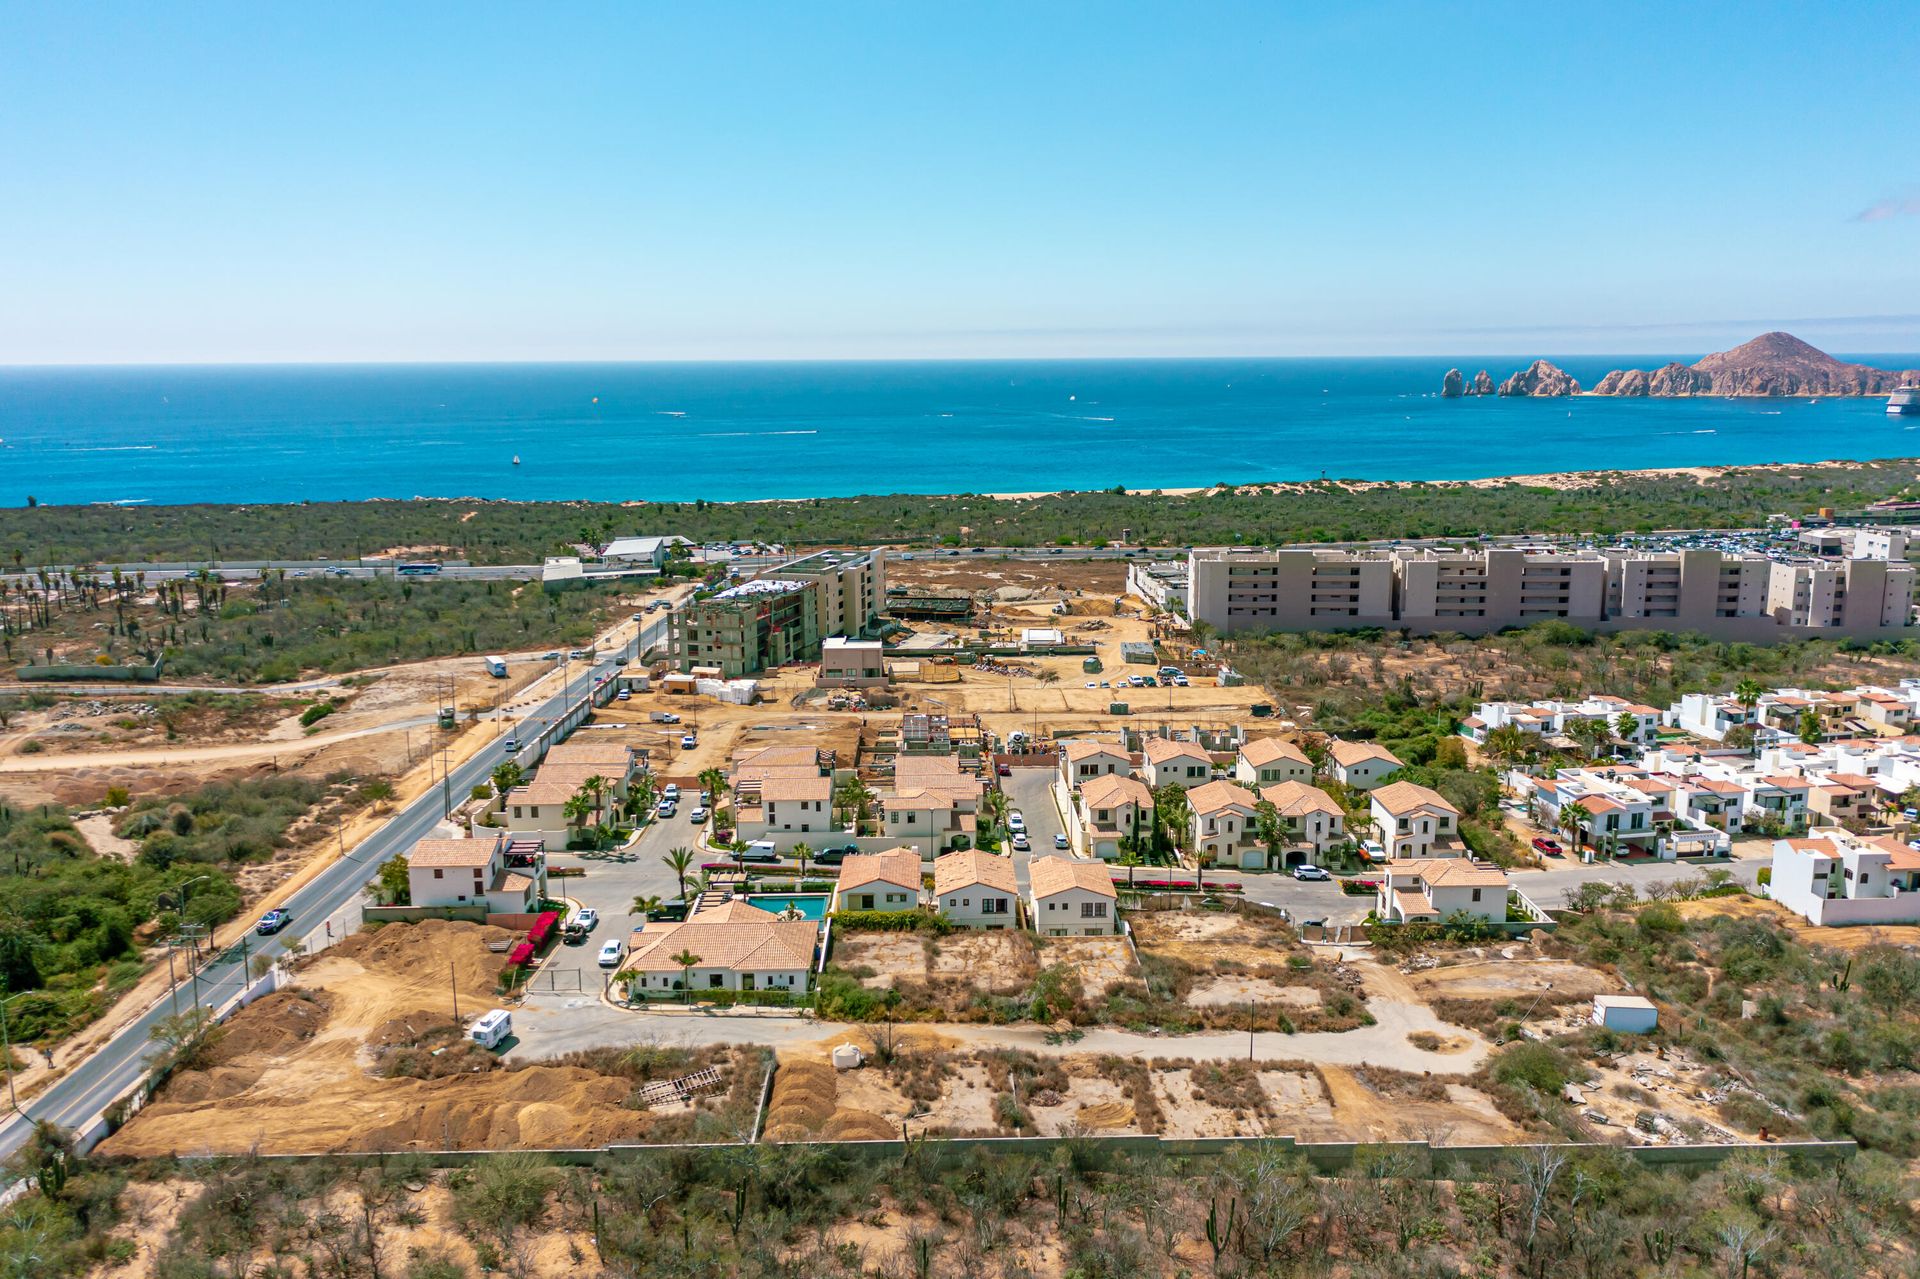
x=1630, y=1013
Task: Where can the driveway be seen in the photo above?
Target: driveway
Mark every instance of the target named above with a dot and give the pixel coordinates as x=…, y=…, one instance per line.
x=1030, y=793
x=611, y=882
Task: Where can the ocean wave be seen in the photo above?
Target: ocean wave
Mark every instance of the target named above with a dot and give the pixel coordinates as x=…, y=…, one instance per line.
x=106, y=448
x=670, y=413
x=731, y=435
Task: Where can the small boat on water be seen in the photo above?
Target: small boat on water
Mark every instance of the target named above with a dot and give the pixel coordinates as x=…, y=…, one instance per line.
x=1905, y=401
x=516, y=459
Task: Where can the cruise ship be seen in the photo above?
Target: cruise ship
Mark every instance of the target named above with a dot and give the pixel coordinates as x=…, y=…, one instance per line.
x=1904, y=401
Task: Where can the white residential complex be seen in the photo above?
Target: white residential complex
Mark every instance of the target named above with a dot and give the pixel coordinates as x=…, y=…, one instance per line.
x=1474, y=590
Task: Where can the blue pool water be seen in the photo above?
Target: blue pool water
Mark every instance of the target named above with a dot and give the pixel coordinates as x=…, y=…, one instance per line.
x=679, y=432
x=811, y=905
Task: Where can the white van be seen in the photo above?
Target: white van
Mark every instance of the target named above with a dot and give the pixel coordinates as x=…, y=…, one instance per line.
x=491, y=1029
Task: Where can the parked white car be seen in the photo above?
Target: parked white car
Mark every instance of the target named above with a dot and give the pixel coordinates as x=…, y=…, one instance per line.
x=611, y=953
x=1015, y=822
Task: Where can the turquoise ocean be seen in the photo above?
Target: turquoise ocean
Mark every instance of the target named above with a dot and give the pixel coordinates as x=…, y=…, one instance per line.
x=679, y=432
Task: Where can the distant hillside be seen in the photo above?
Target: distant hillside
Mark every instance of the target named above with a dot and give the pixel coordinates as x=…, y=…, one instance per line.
x=1771, y=364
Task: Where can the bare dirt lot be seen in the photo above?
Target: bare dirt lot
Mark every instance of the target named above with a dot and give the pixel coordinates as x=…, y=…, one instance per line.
x=296, y=1071
x=1850, y=938
x=1000, y=963
x=1503, y=978
x=930, y=1087
x=1205, y=938
x=1101, y=962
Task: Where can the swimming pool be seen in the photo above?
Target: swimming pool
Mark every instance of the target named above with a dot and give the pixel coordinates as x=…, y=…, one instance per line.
x=810, y=905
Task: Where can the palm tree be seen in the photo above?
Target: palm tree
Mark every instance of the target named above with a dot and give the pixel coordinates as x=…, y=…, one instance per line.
x=853, y=796
x=645, y=906
x=997, y=806
x=577, y=808
x=687, y=961
x=640, y=795
x=1130, y=858
x=680, y=860
x=1200, y=863
x=506, y=777
x=1811, y=729
x=1269, y=827
x=596, y=788
x=1170, y=810
x=1626, y=727
x=714, y=782
x=1507, y=745
x=801, y=852
x=1574, y=818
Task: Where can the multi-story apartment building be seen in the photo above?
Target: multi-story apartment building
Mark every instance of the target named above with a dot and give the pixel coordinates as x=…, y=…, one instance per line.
x=1474, y=590
x=1300, y=590
x=1834, y=877
x=1478, y=590
x=1848, y=595
x=781, y=616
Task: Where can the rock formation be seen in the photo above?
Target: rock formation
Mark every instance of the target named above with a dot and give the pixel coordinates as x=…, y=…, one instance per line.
x=1482, y=384
x=1540, y=379
x=1771, y=364
x=1453, y=386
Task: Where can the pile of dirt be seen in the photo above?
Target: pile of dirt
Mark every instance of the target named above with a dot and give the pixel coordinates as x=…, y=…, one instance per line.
x=409, y=1029
x=409, y=950
x=857, y=1125
x=802, y=1100
x=536, y=1107
x=1107, y=1114
x=273, y=1024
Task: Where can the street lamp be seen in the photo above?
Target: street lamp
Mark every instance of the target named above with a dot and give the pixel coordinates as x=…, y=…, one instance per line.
x=6, y=1046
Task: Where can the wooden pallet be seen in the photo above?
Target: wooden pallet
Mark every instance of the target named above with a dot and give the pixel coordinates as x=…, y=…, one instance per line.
x=682, y=1089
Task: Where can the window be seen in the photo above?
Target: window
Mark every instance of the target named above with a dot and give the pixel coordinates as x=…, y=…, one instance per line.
x=715, y=980
x=1093, y=910
x=1476, y=894
x=438, y=873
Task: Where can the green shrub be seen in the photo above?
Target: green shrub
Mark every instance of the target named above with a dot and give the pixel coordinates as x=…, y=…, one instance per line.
x=1541, y=1067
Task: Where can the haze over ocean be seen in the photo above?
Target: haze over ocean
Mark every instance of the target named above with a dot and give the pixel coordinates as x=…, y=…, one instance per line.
x=678, y=432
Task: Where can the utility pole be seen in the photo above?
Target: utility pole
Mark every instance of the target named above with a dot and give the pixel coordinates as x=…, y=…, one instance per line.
x=446, y=784
x=453, y=980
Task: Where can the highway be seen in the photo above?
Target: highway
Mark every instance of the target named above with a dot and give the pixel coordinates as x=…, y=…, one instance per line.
x=91, y=1085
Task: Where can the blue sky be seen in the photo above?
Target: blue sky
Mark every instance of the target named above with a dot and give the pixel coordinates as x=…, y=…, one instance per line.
x=247, y=182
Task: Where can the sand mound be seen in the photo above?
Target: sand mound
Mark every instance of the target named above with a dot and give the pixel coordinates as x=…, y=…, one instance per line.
x=808, y=1115
x=537, y=1106
x=271, y=1025
x=409, y=1028
x=411, y=950
x=1106, y=1114
x=189, y=1086
x=857, y=1125
x=786, y=1132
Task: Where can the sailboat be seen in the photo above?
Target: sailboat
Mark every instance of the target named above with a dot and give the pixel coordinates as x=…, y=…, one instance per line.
x=516, y=459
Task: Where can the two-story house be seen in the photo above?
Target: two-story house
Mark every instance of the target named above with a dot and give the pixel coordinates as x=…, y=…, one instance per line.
x=975, y=889
x=1085, y=758
x=1311, y=822
x=1221, y=823
x=1361, y=765
x=1434, y=889
x=470, y=872
x=788, y=811
x=1111, y=808
x=879, y=881
x=1414, y=821
x=1071, y=898
x=1266, y=761
x=1832, y=877
x=1171, y=763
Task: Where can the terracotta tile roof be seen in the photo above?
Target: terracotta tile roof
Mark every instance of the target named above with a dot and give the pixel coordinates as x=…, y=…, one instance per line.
x=1448, y=872
x=1786, y=783
x=1399, y=798
x=1413, y=905
x=1051, y=875
x=1297, y=799
x=745, y=944
x=1714, y=786
x=1159, y=750
x=451, y=852
x=917, y=801
x=1085, y=748
x=1859, y=781
x=955, y=871
x=1598, y=803
x=541, y=791
x=797, y=788
x=1111, y=790
x=1347, y=754
x=510, y=882
x=900, y=866
x=1271, y=750
x=1648, y=785
x=1215, y=797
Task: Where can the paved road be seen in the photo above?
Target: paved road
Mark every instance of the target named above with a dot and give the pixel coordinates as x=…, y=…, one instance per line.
x=116, y=1065
x=1550, y=887
x=1029, y=793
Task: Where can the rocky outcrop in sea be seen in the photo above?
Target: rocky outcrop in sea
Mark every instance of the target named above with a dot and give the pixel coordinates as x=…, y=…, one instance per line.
x=1541, y=378
x=1453, y=385
x=1482, y=384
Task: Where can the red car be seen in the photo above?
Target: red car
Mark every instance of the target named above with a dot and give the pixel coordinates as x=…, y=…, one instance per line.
x=1004, y=770
x=1547, y=846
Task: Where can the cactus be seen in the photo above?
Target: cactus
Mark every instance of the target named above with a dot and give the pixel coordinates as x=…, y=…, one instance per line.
x=1217, y=1238
x=1659, y=1246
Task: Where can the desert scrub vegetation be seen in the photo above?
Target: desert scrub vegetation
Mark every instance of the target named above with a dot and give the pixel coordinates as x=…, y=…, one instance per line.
x=72, y=922
x=500, y=532
x=950, y=1212
x=280, y=628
